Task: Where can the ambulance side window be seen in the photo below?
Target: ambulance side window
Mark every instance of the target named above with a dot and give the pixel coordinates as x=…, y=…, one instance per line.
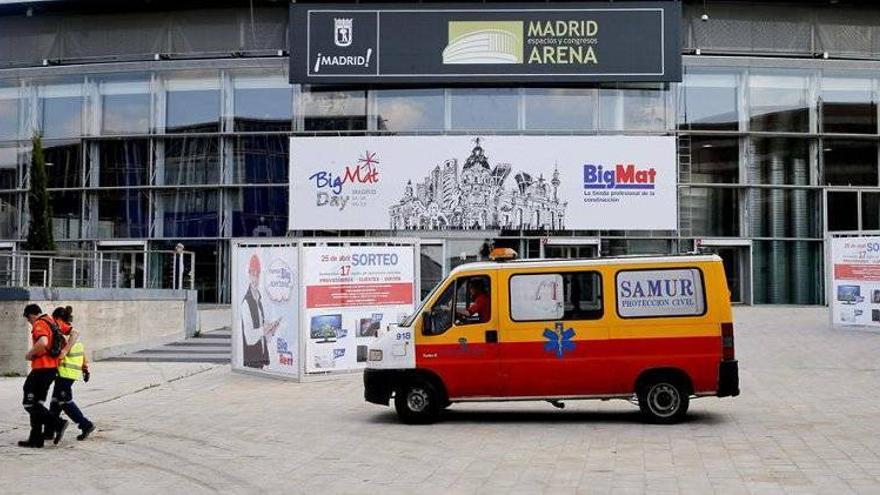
x=556, y=296
x=466, y=301
x=473, y=303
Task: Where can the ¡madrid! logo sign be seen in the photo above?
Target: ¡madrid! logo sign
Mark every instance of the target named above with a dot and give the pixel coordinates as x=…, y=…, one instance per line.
x=343, y=36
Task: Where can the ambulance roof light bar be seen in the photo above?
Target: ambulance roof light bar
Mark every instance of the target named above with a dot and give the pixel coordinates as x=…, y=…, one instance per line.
x=503, y=254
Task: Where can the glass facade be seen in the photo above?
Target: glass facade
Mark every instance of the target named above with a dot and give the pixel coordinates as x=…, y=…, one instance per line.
x=410, y=110
x=779, y=101
x=709, y=100
x=483, y=109
x=261, y=102
x=10, y=110
x=773, y=156
x=125, y=104
x=192, y=104
x=560, y=109
x=60, y=107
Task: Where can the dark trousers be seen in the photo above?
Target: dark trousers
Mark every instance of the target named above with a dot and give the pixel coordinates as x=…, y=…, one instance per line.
x=62, y=400
x=36, y=389
x=257, y=355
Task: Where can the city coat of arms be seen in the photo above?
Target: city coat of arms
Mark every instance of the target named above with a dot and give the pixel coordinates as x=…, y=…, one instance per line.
x=342, y=31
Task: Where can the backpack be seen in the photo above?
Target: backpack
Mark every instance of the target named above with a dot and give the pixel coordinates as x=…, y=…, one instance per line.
x=58, y=340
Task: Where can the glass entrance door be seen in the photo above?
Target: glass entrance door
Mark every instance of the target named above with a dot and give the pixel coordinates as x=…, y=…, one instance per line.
x=7, y=263
x=122, y=265
x=736, y=261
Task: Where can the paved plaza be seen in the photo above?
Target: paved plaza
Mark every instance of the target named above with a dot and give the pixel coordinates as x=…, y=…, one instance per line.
x=808, y=421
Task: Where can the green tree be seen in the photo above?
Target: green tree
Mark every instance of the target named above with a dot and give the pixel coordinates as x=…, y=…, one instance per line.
x=40, y=236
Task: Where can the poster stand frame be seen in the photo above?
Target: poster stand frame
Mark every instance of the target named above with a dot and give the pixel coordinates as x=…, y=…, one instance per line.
x=414, y=243
x=829, y=281
x=830, y=295
x=258, y=242
x=297, y=243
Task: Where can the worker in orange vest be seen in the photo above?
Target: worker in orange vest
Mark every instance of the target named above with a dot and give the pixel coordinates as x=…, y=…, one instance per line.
x=43, y=356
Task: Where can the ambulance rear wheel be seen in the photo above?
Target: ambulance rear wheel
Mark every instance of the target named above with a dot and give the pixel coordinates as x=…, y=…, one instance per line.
x=663, y=400
x=417, y=402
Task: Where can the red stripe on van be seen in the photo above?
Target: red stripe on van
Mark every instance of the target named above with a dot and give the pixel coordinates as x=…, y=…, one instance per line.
x=592, y=367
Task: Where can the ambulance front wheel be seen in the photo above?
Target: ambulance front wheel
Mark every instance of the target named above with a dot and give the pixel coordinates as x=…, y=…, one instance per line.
x=664, y=400
x=417, y=402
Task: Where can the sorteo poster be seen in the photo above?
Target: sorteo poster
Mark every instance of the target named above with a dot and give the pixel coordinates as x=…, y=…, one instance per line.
x=265, y=309
x=855, y=281
x=351, y=292
x=483, y=183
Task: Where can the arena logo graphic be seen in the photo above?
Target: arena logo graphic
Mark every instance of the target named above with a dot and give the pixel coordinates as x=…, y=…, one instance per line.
x=474, y=196
x=330, y=187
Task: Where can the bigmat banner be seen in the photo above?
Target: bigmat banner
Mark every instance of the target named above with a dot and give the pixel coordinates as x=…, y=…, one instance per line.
x=351, y=293
x=483, y=183
x=855, y=281
x=265, y=309
x=497, y=43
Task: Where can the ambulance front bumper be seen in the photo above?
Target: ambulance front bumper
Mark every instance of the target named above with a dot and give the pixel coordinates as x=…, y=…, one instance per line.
x=379, y=385
x=728, y=379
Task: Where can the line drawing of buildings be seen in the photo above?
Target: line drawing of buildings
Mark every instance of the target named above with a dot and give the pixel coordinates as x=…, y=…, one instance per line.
x=474, y=198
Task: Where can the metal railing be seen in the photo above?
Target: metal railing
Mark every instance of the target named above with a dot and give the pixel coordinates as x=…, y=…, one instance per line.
x=99, y=269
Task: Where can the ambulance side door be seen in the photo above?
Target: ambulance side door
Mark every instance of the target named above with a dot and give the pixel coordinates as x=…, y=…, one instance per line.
x=553, y=338
x=461, y=348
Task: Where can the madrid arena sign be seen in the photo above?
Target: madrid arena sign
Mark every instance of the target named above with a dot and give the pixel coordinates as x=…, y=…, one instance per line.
x=497, y=43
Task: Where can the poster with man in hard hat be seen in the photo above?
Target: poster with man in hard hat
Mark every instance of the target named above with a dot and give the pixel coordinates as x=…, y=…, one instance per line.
x=264, y=333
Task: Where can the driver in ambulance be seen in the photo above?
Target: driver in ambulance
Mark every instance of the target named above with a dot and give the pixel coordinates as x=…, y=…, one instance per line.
x=478, y=310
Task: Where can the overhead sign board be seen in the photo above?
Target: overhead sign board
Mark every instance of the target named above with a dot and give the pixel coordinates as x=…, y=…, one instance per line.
x=482, y=183
x=488, y=43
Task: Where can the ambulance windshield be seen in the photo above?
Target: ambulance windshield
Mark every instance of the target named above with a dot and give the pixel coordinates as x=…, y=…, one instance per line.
x=412, y=318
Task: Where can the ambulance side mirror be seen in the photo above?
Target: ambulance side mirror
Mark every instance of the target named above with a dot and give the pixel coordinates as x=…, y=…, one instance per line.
x=427, y=324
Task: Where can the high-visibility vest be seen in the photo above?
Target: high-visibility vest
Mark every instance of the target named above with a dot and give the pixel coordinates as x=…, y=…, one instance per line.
x=72, y=364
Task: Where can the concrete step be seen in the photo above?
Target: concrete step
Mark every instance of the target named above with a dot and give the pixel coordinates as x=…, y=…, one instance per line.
x=200, y=343
x=174, y=358
x=213, y=336
x=209, y=347
x=161, y=350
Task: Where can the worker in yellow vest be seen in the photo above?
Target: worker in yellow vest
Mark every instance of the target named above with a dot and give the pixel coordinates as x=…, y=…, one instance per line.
x=72, y=367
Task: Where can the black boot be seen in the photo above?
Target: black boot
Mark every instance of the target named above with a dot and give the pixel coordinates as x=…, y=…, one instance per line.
x=29, y=445
x=59, y=433
x=86, y=432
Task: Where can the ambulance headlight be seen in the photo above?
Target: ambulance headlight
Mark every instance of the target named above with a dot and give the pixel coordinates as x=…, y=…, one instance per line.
x=375, y=355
